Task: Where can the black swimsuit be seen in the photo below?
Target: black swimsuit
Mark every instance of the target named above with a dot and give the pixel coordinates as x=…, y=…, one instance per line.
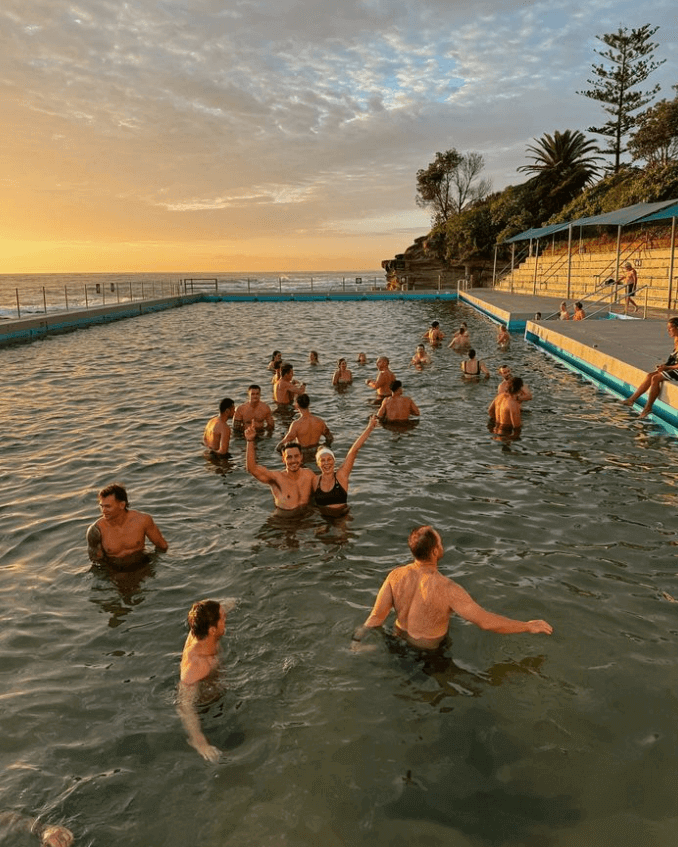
x=672, y=360
x=336, y=496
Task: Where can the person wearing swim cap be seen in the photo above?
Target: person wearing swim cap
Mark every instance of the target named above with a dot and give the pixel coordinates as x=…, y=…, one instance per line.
x=330, y=489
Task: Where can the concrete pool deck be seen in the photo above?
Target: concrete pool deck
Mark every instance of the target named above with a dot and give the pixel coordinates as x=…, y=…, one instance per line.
x=615, y=354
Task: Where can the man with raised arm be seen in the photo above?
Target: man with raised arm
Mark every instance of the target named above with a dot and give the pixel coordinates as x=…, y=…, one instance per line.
x=254, y=411
x=199, y=666
x=217, y=435
x=291, y=488
x=424, y=600
x=286, y=388
x=398, y=407
x=118, y=538
x=307, y=429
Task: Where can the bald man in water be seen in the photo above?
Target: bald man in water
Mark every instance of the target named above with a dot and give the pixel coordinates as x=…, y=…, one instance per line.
x=424, y=600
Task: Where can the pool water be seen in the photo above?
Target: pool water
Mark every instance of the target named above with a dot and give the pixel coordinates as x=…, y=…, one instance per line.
x=501, y=740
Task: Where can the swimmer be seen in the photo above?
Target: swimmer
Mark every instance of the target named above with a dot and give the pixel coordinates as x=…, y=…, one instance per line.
x=49, y=834
x=118, y=538
x=382, y=382
x=503, y=338
x=461, y=341
x=276, y=361
x=507, y=408
x=254, y=411
x=424, y=600
x=421, y=357
x=331, y=487
x=342, y=375
x=434, y=334
x=308, y=429
x=524, y=395
x=397, y=408
x=362, y=359
x=579, y=313
x=217, y=435
x=199, y=664
x=313, y=358
x=291, y=488
x=472, y=368
x=286, y=388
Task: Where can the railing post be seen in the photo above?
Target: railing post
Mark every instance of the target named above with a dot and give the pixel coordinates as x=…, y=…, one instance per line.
x=66, y=296
x=18, y=307
x=142, y=289
x=44, y=299
x=103, y=293
x=86, y=298
x=130, y=291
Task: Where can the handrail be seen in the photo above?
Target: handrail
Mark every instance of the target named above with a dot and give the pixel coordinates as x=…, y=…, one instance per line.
x=617, y=299
x=636, y=246
x=508, y=268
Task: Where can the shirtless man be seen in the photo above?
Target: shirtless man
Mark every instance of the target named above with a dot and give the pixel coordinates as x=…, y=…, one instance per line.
x=291, y=488
x=119, y=537
x=217, y=435
x=421, y=357
x=285, y=389
x=199, y=663
x=507, y=407
x=383, y=380
x=397, y=408
x=50, y=835
x=424, y=600
x=308, y=429
x=435, y=334
x=505, y=373
x=461, y=341
x=255, y=410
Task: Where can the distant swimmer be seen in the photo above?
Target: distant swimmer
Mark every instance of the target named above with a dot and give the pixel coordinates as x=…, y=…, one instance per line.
x=342, y=375
x=217, y=435
x=382, y=382
x=254, y=411
x=276, y=361
x=49, y=835
x=421, y=357
x=287, y=388
x=424, y=600
x=199, y=667
x=398, y=407
x=507, y=411
x=307, y=429
x=524, y=395
x=313, y=358
x=291, y=488
x=472, y=368
x=434, y=334
x=503, y=338
x=119, y=537
x=331, y=487
x=461, y=341
x=362, y=359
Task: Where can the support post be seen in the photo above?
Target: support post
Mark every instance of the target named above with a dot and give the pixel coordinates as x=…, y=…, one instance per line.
x=536, y=265
x=673, y=250
x=494, y=269
x=569, y=259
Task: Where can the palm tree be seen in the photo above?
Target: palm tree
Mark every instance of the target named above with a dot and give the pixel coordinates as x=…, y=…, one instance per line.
x=564, y=161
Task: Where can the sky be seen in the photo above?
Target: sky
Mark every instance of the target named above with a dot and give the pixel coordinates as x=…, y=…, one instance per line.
x=273, y=135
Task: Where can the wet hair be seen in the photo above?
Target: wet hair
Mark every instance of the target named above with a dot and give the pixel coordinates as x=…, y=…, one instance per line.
x=579, y=305
x=435, y=324
x=289, y=445
x=203, y=615
x=303, y=401
x=395, y=385
x=674, y=322
x=286, y=368
x=514, y=385
x=422, y=542
x=339, y=361
x=313, y=354
x=275, y=355
x=225, y=404
x=118, y=491
x=471, y=353
x=253, y=388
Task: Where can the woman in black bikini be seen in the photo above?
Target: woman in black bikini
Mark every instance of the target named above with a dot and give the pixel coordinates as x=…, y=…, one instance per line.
x=653, y=380
x=472, y=368
x=330, y=489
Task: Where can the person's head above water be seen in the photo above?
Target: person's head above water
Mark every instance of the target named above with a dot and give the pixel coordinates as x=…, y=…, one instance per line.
x=303, y=401
x=423, y=542
x=202, y=616
x=225, y=405
x=117, y=491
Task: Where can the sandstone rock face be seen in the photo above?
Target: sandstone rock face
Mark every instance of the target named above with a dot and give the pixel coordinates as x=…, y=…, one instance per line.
x=421, y=266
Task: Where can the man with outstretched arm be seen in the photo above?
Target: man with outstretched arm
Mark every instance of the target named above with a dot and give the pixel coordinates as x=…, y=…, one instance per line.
x=424, y=600
x=118, y=538
x=291, y=488
x=199, y=666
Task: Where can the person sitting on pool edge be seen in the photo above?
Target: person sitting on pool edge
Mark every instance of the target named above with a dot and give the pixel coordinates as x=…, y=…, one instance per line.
x=291, y=488
x=653, y=381
x=398, y=407
x=308, y=429
x=199, y=664
x=217, y=434
x=118, y=538
x=424, y=600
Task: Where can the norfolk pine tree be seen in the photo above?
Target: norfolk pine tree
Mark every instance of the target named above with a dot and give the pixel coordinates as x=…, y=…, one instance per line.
x=630, y=63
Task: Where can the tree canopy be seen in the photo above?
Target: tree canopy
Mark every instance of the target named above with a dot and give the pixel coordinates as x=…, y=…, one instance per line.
x=656, y=139
x=629, y=62
x=450, y=183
